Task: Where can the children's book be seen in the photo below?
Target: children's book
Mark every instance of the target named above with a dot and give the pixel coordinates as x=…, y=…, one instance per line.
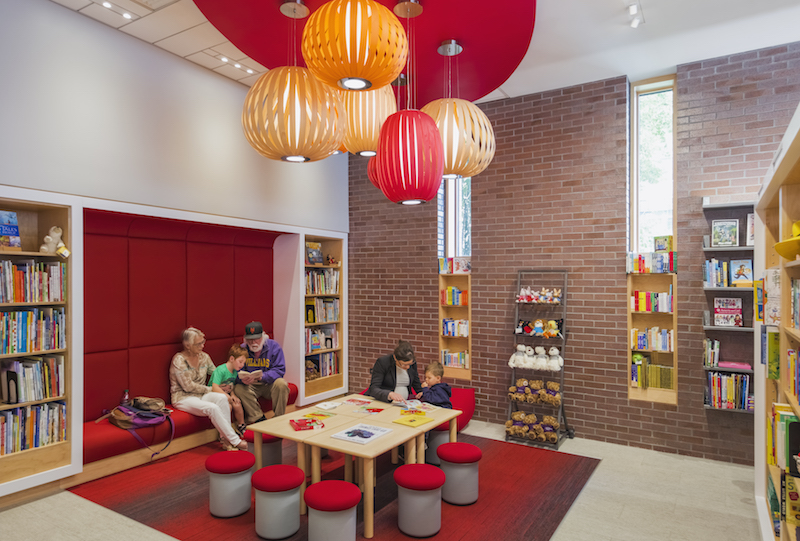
x=741, y=272
x=361, y=433
x=728, y=312
x=462, y=265
x=327, y=405
x=9, y=232
x=305, y=424
x=256, y=373
x=662, y=244
x=319, y=415
x=357, y=401
x=413, y=420
x=314, y=253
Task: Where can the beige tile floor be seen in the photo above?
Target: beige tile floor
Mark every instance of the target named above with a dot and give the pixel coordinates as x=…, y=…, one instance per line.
x=634, y=494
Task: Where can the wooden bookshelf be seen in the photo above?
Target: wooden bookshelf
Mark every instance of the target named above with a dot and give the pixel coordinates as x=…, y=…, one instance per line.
x=456, y=344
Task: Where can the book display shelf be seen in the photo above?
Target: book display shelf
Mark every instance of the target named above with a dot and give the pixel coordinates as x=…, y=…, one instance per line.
x=728, y=320
x=778, y=208
x=35, y=360
x=325, y=365
x=455, y=318
x=537, y=387
x=652, y=334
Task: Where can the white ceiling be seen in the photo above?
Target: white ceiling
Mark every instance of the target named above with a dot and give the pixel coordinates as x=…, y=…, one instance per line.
x=574, y=41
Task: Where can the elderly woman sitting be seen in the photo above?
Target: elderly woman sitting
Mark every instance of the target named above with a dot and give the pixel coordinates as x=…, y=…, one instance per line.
x=188, y=374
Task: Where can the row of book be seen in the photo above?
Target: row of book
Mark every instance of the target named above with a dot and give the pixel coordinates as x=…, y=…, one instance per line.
x=32, y=378
x=321, y=310
x=710, y=352
x=35, y=329
x=327, y=363
x=651, y=301
x=455, y=327
x=794, y=304
x=729, y=391
x=651, y=262
x=326, y=337
x=794, y=372
x=322, y=281
x=455, y=265
x=783, y=444
x=645, y=374
x=33, y=281
x=652, y=339
x=736, y=273
x=453, y=296
x=30, y=427
x=455, y=359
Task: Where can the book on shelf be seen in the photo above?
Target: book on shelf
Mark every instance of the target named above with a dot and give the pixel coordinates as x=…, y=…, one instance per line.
x=724, y=233
x=710, y=352
x=793, y=371
x=361, y=433
x=652, y=301
x=751, y=230
x=454, y=359
x=311, y=311
x=314, y=253
x=735, y=365
x=772, y=296
x=758, y=300
x=445, y=265
x=9, y=232
x=741, y=272
x=770, y=351
x=462, y=265
x=651, y=262
x=728, y=391
x=728, y=312
x=662, y=243
x=792, y=429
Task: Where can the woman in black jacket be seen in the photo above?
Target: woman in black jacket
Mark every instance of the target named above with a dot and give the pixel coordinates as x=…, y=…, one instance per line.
x=394, y=376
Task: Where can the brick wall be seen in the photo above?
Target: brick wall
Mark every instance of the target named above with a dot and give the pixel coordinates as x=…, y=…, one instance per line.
x=555, y=197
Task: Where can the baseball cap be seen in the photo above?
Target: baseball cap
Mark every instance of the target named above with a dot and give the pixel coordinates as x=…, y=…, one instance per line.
x=253, y=330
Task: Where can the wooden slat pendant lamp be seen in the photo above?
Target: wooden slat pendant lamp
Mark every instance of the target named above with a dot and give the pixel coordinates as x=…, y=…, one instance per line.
x=366, y=113
x=354, y=44
x=289, y=115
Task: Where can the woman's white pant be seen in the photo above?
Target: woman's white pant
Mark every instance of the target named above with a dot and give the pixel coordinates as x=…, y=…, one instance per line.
x=215, y=406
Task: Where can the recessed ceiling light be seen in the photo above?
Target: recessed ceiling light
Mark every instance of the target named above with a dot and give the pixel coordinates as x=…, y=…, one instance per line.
x=224, y=59
x=237, y=65
x=127, y=15
x=249, y=71
x=106, y=5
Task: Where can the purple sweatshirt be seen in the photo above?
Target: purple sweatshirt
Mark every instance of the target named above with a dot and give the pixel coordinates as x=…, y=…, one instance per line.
x=269, y=359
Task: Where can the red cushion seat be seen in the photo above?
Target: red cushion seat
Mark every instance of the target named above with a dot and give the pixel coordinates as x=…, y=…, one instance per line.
x=226, y=462
x=419, y=477
x=459, y=453
x=278, y=478
x=462, y=399
x=332, y=496
x=250, y=436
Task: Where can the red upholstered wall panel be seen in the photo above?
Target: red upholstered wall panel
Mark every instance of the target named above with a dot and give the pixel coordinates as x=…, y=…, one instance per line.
x=210, y=286
x=148, y=369
x=105, y=377
x=157, y=285
x=218, y=348
x=106, y=293
x=253, y=283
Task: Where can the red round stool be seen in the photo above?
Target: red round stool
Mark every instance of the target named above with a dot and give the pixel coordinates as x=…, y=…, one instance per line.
x=459, y=462
x=271, y=447
x=278, y=500
x=332, y=510
x=419, y=499
x=229, y=482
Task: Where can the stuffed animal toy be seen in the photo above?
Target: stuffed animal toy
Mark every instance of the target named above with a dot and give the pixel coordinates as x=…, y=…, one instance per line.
x=551, y=329
x=556, y=361
x=540, y=361
x=311, y=371
x=527, y=328
x=52, y=242
x=553, y=386
x=530, y=419
x=544, y=294
x=538, y=328
x=549, y=420
x=536, y=384
x=517, y=358
x=556, y=295
x=529, y=355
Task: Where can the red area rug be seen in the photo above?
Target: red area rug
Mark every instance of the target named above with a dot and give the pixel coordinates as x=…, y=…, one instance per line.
x=524, y=494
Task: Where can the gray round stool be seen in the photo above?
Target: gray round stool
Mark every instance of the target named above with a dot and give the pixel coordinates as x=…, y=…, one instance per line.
x=271, y=448
x=229, y=482
x=459, y=462
x=332, y=510
x=277, y=498
x=419, y=499
x=436, y=438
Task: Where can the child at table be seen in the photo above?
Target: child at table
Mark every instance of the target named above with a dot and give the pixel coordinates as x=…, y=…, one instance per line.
x=222, y=381
x=433, y=390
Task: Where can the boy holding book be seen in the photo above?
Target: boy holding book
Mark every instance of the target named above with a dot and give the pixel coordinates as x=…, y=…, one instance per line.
x=222, y=381
x=433, y=390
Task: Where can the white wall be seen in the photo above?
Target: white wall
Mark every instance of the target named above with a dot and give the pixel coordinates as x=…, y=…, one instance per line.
x=90, y=111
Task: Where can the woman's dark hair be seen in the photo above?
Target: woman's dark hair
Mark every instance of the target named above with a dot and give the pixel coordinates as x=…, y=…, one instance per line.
x=404, y=351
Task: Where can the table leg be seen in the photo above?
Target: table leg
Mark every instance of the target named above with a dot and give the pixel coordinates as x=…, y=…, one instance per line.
x=301, y=463
x=316, y=474
x=421, y=449
x=348, y=468
x=411, y=451
x=453, y=430
x=369, y=497
x=395, y=456
x=257, y=448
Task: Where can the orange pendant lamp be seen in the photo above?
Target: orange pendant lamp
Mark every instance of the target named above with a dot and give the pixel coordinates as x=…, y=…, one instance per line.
x=354, y=44
x=366, y=113
x=289, y=115
x=467, y=136
x=410, y=158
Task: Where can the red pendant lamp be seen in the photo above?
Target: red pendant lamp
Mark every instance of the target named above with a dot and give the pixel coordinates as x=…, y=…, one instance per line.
x=372, y=171
x=410, y=159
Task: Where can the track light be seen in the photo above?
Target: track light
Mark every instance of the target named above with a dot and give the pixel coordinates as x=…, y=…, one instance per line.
x=635, y=13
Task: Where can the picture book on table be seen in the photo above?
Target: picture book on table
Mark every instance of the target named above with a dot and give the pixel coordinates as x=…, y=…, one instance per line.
x=306, y=424
x=413, y=420
x=728, y=312
x=741, y=272
x=414, y=404
x=9, y=231
x=361, y=433
x=319, y=415
x=357, y=401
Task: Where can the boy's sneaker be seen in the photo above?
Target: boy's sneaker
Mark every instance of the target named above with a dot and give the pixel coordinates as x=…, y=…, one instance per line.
x=241, y=428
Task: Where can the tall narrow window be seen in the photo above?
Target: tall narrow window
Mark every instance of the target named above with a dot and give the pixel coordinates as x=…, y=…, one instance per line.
x=455, y=217
x=652, y=175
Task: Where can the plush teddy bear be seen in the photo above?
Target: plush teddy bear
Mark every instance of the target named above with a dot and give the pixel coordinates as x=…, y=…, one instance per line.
x=530, y=419
x=529, y=357
x=556, y=361
x=553, y=386
x=540, y=360
x=52, y=241
x=517, y=358
x=311, y=371
x=536, y=384
x=538, y=328
x=556, y=295
x=549, y=420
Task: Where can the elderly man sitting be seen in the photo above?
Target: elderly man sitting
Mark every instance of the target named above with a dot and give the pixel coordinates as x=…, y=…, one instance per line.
x=265, y=356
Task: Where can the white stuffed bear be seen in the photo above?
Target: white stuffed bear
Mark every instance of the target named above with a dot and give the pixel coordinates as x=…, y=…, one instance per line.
x=540, y=359
x=529, y=357
x=517, y=359
x=52, y=241
x=556, y=361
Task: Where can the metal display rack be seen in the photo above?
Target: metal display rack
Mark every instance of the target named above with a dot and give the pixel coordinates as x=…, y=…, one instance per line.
x=542, y=278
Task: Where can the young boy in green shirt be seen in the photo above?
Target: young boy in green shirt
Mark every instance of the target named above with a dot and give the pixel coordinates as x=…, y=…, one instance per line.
x=222, y=381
